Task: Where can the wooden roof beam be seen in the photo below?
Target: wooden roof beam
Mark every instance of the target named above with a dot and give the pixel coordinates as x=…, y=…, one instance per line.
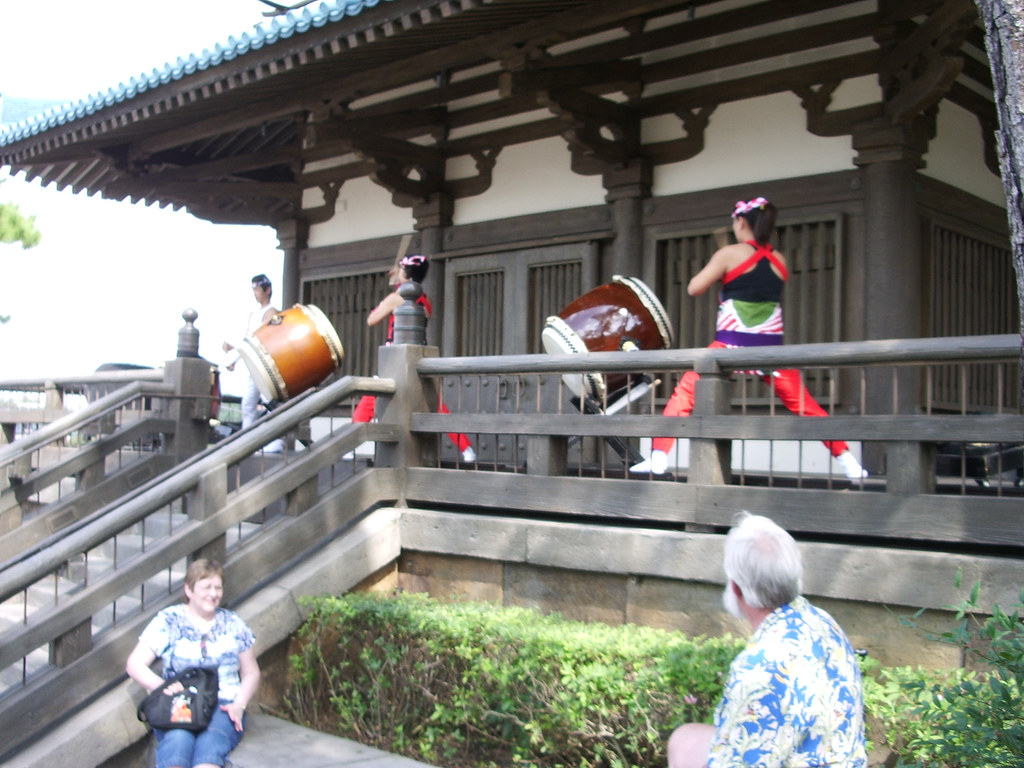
x=763, y=84
x=232, y=190
x=920, y=69
x=608, y=75
x=396, y=73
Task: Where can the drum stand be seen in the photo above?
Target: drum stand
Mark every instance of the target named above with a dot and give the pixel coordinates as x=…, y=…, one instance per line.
x=615, y=403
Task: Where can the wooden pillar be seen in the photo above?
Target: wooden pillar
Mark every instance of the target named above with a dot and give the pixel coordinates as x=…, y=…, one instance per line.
x=72, y=645
x=433, y=217
x=547, y=455
x=894, y=263
x=627, y=189
x=292, y=237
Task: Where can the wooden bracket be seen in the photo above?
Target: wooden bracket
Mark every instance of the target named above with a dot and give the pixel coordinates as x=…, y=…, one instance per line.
x=919, y=70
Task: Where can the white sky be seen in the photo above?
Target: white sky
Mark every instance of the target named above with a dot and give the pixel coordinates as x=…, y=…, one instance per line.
x=110, y=280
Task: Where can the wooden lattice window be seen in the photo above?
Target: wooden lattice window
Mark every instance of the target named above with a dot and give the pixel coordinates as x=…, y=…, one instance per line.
x=552, y=288
x=500, y=301
x=973, y=293
x=812, y=301
x=480, y=318
x=347, y=301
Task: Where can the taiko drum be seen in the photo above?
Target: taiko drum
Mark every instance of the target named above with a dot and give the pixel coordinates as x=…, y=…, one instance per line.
x=291, y=352
x=623, y=315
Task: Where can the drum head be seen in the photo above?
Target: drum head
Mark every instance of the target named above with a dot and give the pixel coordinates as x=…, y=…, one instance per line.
x=294, y=350
x=326, y=330
x=263, y=369
x=650, y=302
x=558, y=338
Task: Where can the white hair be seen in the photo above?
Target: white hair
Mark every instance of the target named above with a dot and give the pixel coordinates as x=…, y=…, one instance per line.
x=764, y=562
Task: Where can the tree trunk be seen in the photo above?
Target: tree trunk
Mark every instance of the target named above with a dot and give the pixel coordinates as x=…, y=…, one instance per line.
x=1004, y=39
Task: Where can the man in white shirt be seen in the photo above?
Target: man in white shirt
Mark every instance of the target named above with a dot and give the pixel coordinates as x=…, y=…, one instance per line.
x=262, y=290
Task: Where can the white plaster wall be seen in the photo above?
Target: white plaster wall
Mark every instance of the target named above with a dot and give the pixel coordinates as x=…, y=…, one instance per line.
x=531, y=178
x=747, y=142
x=956, y=155
x=364, y=210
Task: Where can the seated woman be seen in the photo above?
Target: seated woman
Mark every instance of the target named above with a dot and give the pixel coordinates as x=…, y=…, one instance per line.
x=199, y=633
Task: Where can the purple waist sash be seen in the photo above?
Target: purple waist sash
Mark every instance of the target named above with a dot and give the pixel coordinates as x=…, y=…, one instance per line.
x=741, y=339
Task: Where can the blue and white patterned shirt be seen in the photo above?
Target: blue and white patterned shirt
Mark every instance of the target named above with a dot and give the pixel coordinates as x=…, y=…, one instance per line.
x=793, y=698
x=180, y=645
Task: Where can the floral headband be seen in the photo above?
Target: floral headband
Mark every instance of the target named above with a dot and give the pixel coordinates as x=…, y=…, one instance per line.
x=758, y=203
x=412, y=261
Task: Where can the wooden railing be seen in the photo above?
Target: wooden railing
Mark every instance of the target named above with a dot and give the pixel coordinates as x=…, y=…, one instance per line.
x=70, y=605
x=922, y=486
x=74, y=602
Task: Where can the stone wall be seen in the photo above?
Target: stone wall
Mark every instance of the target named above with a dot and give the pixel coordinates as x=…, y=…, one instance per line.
x=691, y=607
x=674, y=579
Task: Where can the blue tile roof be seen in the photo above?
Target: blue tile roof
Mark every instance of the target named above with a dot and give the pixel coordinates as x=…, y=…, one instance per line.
x=278, y=28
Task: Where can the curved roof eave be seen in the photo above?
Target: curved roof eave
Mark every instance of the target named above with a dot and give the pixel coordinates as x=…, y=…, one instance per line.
x=293, y=24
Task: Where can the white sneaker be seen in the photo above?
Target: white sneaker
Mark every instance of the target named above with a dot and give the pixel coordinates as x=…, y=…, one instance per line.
x=656, y=465
x=851, y=466
x=469, y=455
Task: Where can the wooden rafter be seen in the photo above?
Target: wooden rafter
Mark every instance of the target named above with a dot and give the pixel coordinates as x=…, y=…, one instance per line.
x=920, y=69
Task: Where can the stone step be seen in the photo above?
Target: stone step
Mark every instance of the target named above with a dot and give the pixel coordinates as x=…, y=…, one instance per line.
x=271, y=742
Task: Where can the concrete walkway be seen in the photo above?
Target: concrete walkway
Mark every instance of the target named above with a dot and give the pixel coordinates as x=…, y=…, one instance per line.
x=271, y=742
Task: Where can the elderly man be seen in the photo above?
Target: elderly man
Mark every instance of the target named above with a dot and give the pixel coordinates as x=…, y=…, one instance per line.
x=793, y=696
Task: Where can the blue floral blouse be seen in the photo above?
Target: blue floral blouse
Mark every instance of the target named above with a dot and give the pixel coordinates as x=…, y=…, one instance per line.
x=793, y=697
x=180, y=645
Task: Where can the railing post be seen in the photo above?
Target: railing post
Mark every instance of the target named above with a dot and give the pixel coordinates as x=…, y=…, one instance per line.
x=302, y=498
x=53, y=401
x=410, y=319
x=72, y=645
x=398, y=362
x=710, y=458
x=209, y=497
x=193, y=387
x=547, y=455
x=910, y=468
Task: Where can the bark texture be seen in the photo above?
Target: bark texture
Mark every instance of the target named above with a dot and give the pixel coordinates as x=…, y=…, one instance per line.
x=1004, y=39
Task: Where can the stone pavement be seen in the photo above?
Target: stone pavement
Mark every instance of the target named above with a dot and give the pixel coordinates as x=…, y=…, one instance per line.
x=271, y=742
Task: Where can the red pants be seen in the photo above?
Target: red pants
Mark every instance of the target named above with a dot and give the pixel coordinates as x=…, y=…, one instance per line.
x=364, y=409
x=787, y=384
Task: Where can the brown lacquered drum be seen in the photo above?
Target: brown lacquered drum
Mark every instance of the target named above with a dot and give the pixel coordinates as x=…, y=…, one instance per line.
x=294, y=350
x=623, y=315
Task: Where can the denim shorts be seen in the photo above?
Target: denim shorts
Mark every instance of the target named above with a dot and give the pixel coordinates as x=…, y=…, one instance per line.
x=178, y=746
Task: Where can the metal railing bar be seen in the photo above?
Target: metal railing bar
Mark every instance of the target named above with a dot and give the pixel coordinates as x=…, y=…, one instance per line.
x=953, y=349
x=114, y=518
x=90, y=453
x=952, y=428
x=71, y=611
x=66, y=424
x=68, y=382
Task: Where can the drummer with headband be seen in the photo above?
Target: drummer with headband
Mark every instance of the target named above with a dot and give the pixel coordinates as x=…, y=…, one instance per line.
x=407, y=268
x=749, y=315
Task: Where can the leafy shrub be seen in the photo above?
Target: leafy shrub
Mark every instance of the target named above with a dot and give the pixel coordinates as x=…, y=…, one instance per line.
x=973, y=717
x=469, y=684
x=477, y=684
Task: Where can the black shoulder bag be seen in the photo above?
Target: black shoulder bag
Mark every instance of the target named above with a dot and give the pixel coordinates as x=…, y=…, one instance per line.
x=190, y=708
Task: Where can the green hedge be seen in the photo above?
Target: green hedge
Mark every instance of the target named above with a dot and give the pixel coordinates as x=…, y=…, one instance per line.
x=478, y=684
x=470, y=684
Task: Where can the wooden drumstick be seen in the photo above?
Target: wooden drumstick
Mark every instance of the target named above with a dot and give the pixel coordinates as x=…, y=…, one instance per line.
x=403, y=246
x=721, y=237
